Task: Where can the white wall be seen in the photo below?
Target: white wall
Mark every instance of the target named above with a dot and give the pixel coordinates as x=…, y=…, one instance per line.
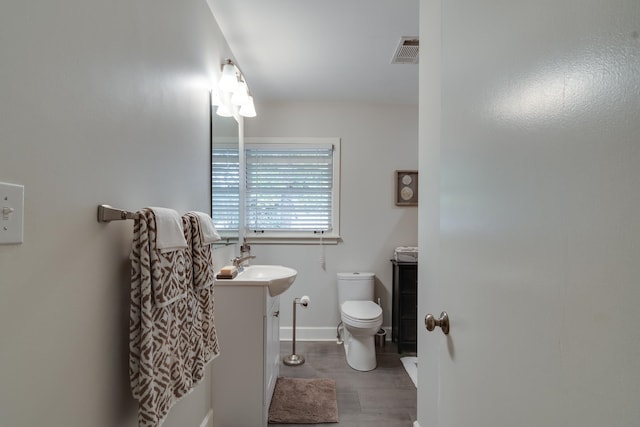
x=376, y=140
x=100, y=102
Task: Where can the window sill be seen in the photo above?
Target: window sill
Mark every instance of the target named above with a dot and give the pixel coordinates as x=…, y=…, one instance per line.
x=288, y=240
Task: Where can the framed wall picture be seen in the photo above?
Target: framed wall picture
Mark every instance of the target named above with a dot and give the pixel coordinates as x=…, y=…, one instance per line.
x=406, y=188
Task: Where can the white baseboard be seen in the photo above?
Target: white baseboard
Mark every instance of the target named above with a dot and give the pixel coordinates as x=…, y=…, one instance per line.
x=316, y=333
x=415, y=424
x=208, y=420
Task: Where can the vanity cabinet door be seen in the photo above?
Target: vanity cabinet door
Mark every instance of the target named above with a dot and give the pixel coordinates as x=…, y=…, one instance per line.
x=239, y=374
x=272, y=350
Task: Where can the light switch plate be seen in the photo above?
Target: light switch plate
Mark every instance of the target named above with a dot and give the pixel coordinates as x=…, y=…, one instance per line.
x=11, y=213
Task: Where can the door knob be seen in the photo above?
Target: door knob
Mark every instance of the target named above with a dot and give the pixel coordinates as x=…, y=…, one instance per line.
x=431, y=322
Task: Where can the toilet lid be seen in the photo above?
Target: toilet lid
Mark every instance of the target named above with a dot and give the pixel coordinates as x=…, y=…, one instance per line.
x=361, y=310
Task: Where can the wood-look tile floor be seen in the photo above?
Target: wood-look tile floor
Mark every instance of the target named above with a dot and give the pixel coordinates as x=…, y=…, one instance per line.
x=384, y=397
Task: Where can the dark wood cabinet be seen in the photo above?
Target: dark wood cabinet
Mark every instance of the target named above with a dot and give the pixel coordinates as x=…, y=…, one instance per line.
x=404, y=318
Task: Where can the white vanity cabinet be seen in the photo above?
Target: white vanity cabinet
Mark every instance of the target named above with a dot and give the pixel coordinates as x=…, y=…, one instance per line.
x=244, y=374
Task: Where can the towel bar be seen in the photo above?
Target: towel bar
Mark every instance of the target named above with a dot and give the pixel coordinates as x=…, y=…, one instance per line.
x=107, y=213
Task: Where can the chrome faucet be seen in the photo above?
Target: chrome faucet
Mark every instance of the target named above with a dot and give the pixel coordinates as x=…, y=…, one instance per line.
x=237, y=261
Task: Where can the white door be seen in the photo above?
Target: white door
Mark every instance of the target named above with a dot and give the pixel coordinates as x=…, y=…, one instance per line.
x=530, y=213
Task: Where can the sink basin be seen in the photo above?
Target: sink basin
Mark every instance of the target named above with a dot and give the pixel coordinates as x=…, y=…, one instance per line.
x=277, y=277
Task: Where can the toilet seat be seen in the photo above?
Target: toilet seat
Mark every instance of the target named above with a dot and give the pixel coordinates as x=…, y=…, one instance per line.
x=361, y=314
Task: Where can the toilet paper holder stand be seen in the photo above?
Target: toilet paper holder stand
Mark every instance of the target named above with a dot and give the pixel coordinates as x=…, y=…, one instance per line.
x=295, y=359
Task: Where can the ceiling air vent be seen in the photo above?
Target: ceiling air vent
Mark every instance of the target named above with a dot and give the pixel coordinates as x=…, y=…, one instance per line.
x=407, y=51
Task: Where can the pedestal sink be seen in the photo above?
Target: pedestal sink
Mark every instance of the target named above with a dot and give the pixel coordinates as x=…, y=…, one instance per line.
x=277, y=278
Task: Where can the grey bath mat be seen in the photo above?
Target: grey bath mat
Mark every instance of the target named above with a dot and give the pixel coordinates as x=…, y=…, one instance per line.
x=304, y=401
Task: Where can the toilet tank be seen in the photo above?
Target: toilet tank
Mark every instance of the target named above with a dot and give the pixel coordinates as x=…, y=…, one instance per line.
x=355, y=286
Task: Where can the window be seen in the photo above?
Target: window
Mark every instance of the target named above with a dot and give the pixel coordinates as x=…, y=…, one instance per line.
x=291, y=190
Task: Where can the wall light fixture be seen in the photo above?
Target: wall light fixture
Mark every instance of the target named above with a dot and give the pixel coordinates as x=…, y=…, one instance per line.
x=235, y=91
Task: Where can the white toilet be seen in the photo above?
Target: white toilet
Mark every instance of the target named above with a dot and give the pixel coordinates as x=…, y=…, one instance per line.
x=361, y=318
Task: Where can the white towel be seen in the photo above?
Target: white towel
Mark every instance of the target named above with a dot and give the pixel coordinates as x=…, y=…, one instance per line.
x=208, y=232
x=169, y=233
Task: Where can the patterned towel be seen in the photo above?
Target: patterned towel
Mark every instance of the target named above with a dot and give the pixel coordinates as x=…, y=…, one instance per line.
x=160, y=327
x=203, y=278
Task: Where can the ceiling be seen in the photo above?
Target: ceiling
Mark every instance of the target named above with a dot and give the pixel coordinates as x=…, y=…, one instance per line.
x=329, y=50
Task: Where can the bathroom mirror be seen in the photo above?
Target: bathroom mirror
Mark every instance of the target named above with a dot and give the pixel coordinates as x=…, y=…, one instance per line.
x=225, y=176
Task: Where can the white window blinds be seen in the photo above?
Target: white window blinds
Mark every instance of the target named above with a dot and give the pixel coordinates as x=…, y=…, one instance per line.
x=289, y=187
x=225, y=188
